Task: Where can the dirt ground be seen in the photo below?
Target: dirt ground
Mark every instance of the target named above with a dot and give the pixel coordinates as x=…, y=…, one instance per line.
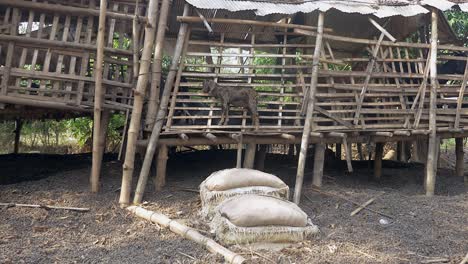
x=421, y=229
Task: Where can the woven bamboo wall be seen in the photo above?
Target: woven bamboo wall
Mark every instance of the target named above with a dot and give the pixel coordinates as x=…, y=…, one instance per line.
x=395, y=96
x=47, y=53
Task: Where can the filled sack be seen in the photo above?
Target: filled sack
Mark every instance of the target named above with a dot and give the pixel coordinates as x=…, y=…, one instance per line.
x=224, y=184
x=257, y=218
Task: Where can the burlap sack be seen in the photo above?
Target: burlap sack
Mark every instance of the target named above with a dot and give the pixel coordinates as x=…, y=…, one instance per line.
x=225, y=184
x=256, y=218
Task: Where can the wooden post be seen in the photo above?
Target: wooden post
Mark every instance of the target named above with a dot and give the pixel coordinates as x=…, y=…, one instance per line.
x=124, y=136
x=153, y=101
x=379, y=147
x=249, y=159
x=310, y=110
x=319, y=160
x=18, y=126
x=431, y=164
x=338, y=151
x=161, y=166
x=139, y=95
x=261, y=155
x=359, y=149
x=105, y=118
x=459, y=166
x=153, y=141
x=348, y=154
x=98, y=96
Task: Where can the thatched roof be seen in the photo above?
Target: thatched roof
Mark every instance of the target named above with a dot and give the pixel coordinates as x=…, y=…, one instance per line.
x=379, y=8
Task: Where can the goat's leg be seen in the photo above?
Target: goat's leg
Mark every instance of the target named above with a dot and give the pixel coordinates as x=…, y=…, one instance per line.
x=223, y=109
x=227, y=115
x=254, y=115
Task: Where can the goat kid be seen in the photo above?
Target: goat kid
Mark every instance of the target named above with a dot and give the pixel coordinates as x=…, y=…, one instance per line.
x=245, y=97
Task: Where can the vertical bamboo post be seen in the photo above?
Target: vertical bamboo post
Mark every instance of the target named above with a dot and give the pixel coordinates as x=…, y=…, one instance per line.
x=98, y=92
x=379, y=147
x=359, y=149
x=124, y=135
x=338, y=151
x=161, y=114
x=18, y=126
x=105, y=119
x=459, y=166
x=310, y=110
x=431, y=165
x=261, y=155
x=319, y=160
x=153, y=101
x=249, y=159
x=139, y=94
x=161, y=166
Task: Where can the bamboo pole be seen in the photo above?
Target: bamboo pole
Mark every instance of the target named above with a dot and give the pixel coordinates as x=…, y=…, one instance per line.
x=18, y=126
x=249, y=159
x=460, y=161
x=79, y=209
x=431, y=164
x=187, y=232
x=319, y=160
x=161, y=168
x=260, y=157
x=310, y=110
x=153, y=101
x=379, y=147
x=98, y=97
x=124, y=135
x=150, y=150
x=139, y=94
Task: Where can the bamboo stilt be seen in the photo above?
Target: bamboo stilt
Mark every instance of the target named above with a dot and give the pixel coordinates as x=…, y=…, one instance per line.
x=460, y=162
x=260, y=157
x=187, y=232
x=139, y=94
x=359, y=149
x=18, y=126
x=124, y=136
x=379, y=147
x=319, y=160
x=161, y=166
x=310, y=110
x=338, y=151
x=150, y=150
x=348, y=154
x=153, y=101
x=98, y=97
x=431, y=164
x=249, y=159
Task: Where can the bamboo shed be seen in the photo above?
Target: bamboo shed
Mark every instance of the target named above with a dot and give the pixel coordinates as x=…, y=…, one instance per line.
x=326, y=72
x=334, y=72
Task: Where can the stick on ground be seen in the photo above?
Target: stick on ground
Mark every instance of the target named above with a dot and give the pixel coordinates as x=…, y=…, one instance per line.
x=359, y=209
x=45, y=207
x=188, y=233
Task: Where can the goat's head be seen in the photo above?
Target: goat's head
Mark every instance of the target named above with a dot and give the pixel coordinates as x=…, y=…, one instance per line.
x=208, y=86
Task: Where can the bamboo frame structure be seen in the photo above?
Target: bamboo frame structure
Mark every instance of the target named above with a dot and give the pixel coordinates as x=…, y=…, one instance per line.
x=98, y=96
x=139, y=93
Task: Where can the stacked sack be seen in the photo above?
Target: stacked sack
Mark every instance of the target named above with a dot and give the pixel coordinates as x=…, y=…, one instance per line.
x=247, y=206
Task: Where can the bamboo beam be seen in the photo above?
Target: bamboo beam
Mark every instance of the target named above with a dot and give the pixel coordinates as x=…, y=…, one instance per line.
x=319, y=160
x=188, y=19
x=150, y=150
x=98, y=97
x=139, y=94
x=48, y=43
x=382, y=29
x=67, y=9
x=431, y=164
x=153, y=100
x=187, y=232
x=310, y=110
